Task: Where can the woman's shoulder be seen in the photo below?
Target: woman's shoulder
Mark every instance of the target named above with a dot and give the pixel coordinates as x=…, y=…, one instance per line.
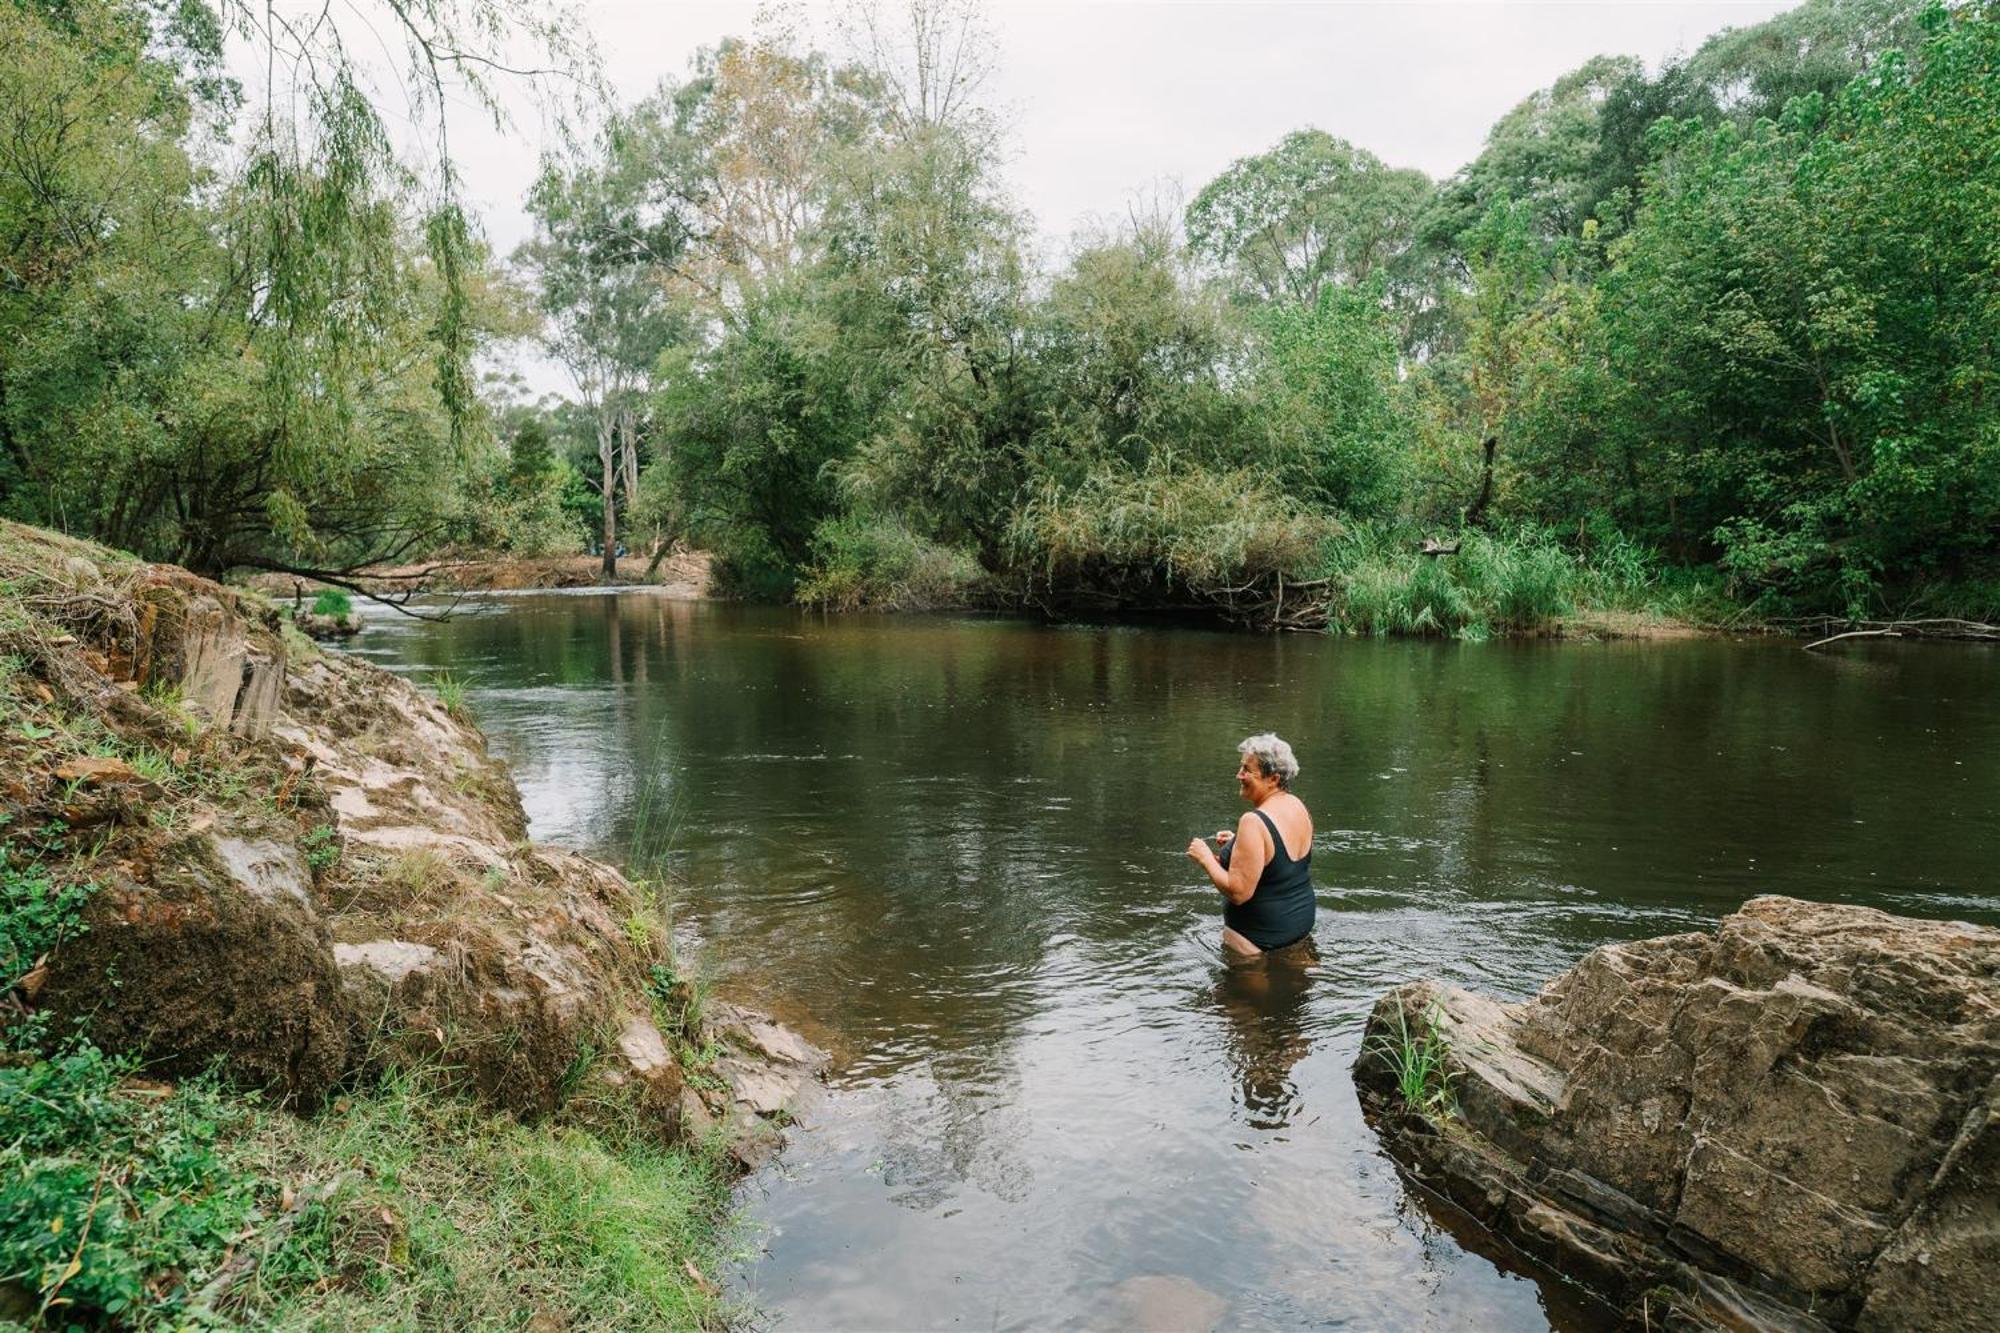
x=1287, y=804
x=1295, y=815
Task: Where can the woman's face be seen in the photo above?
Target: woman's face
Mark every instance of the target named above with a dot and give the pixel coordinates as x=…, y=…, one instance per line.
x=1250, y=780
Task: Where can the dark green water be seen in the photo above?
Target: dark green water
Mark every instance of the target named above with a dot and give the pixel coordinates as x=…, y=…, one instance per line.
x=953, y=850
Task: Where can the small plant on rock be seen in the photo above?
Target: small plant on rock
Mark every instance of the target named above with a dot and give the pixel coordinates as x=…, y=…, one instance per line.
x=37, y=913
x=451, y=693
x=333, y=602
x=322, y=846
x=1420, y=1061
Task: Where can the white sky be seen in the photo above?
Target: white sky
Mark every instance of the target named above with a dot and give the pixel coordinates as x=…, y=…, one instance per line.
x=1108, y=99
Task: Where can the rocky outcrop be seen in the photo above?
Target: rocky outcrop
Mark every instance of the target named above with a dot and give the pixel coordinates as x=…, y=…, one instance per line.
x=1791, y=1122
x=307, y=867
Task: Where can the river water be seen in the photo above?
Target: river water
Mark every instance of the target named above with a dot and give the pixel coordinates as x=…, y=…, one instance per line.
x=952, y=850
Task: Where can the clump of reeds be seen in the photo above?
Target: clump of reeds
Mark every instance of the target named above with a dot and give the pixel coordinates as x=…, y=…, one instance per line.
x=1420, y=1059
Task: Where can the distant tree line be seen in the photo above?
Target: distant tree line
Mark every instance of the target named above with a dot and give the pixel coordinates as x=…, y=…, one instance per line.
x=1718, y=334
x=1722, y=330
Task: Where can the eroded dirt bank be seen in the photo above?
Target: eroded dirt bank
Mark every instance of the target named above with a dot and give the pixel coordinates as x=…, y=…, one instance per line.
x=1790, y=1122
x=305, y=866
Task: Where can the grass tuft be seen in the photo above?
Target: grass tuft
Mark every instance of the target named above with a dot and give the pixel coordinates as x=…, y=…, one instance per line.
x=450, y=691
x=469, y=1219
x=131, y=1204
x=1420, y=1060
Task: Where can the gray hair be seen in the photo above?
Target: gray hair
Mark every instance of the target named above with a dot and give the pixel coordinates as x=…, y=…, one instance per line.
x=1273, y=756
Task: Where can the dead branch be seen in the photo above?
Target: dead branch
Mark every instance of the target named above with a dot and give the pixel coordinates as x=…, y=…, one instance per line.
x=1938, y=627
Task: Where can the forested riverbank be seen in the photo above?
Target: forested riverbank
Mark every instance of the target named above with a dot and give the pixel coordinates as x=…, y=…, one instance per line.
x=297, y=1027
x=1690, y=340
x=1712, y=340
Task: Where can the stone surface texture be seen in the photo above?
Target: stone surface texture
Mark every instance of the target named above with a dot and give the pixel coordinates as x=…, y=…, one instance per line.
x=337, y=877
x=1792, y=1121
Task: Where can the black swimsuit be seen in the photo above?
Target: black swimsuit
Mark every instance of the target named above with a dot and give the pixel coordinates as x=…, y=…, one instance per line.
x=1280, y=909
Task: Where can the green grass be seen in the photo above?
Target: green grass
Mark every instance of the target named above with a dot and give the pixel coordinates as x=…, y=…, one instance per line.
x=1420, y=1061
x=393, y=1208
x=1380, y=584
x=656, y=819
x=860, y=561
x=38, y=911
x=466, y=1219
x=333, y=602
x=450, y=691
x=114, y=1203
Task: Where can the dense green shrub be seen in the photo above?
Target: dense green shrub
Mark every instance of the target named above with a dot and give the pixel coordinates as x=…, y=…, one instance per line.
x=114, y=1201
x=862, y=561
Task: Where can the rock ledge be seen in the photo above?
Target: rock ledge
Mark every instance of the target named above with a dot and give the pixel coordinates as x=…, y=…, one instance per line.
x=308, y=869
x=1792, y=1122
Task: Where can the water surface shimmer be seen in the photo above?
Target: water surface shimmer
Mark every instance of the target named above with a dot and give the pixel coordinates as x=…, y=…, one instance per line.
x=952, y=849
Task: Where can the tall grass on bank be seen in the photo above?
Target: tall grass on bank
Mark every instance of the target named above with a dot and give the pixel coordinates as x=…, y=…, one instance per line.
x=1523, y=581
x=1379, y=583
x=861, y=562
x=656, y=817
x=467, y=1219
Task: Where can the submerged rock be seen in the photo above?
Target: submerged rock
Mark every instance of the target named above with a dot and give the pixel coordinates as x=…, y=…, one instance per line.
x=1791, y=1122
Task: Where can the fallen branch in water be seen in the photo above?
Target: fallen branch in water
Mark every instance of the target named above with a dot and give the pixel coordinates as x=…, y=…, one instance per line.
x=1943, y=627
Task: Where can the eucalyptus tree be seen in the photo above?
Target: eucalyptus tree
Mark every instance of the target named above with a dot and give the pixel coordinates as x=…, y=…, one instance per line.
x=874, y=371
x=611, y=226
x=1539, y=156
x=761, y=128
x=1742, y=75
x=1314, y=211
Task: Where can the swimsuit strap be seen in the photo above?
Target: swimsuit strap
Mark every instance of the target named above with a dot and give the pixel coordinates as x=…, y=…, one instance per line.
x=1277, y=839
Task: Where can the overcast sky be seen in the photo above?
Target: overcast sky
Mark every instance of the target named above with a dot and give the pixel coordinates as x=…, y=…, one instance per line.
x=1110, y=98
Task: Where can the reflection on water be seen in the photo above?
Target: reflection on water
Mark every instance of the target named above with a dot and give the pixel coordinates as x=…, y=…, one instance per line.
x=953, y=850
x=1263, y=1000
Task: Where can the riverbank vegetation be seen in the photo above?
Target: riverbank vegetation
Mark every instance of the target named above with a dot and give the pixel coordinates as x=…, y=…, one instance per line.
x=1706, y=339
x=153, y=1205
x=143, y=1182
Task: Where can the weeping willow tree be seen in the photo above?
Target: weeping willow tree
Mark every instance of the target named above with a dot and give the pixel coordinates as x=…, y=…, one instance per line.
x=240, y=335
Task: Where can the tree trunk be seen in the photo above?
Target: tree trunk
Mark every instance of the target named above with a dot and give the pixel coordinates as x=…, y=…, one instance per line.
x=1476, y=511
x=607, y=454
x=628, y=455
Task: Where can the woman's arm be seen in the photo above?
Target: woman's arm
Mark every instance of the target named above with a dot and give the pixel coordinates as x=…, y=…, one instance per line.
x=1238, y=882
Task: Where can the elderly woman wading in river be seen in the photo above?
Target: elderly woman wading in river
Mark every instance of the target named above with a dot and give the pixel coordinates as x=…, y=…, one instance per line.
x=1265, y=867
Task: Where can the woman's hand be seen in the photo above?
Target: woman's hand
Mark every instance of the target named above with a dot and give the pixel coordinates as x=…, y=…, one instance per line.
x=1198, y=851
x=1225, y=836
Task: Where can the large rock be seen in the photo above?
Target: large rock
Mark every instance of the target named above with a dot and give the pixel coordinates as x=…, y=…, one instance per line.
x=1793, y=1121
x=219, y=953
x=322, y=872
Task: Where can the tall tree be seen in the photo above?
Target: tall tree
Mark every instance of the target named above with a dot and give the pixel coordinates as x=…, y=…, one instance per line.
x=610, y=229
x=1314, y=211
